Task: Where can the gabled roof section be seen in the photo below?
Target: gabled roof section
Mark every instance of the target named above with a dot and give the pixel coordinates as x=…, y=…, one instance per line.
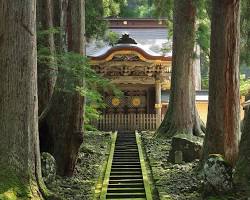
x=143, y=53
x=128, y=46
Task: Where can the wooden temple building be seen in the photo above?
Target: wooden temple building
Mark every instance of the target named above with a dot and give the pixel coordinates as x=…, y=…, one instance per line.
x=141, y=73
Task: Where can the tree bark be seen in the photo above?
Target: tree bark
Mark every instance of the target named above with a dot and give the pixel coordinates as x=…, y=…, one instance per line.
x=47, y=72
x=182, y=116
x=223, y=123
x=19, y=148
x=64, y=123
x=242, y=174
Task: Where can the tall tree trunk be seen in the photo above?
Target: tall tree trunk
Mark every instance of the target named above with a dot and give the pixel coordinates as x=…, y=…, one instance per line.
x=182, y=116
x=65, y=119
x=223, y=123
x=47, y=68
x=19, y=147
x=242, y=174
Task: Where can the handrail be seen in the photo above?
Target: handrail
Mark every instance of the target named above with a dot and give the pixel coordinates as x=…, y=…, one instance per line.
x=108, y=168
x=143, y=168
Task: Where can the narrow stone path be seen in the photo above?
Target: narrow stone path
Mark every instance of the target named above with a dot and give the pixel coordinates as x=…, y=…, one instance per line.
x=126, y=179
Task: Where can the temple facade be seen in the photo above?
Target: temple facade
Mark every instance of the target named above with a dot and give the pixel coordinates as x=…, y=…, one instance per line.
x=143, y=75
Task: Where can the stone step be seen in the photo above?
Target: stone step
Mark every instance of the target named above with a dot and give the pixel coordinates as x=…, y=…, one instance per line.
x=126, y=160
x=126, y=180
x=126, y=146
x=126, y=155
x=122, y=173
x=124, y=177
x=122, y=144
x=124, y=139
x=127, y=151
x=125, y=185
x=125, y=143
x=122, y=181
x=125, y=195
x=115, y=169
x=121, y=139
x=126, y=167
x=123, y=149
x=124, y=163
x=119, y=159
x=126, y=136
x=126, y=190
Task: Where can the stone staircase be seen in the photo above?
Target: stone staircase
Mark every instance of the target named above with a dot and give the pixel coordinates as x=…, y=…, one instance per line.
x=126, y=179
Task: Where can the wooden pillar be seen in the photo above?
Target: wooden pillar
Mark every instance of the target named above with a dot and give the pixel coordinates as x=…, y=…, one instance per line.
x=158, y=102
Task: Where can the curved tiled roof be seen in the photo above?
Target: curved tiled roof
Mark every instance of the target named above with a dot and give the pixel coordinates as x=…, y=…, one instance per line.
x=150, y=38
x=146, y=53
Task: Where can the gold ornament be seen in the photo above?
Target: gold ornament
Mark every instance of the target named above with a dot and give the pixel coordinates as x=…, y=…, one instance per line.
x=136, y=101
x=116, y=101
x=158, y=105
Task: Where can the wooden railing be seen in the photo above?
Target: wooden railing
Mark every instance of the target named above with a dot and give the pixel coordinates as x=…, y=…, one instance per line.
x=126, y=122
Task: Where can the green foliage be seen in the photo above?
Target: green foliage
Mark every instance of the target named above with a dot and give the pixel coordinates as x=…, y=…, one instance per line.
x=96, y=10
x=136, y=9
x=95, y=26
x=244, y=86
x=111, y=37
x=203, y=35
x=11, y=186
x=203, y=31
x=112, y=7
x=204, y=83
x=77, y=76
x=164, y=8
x=145, y=11
x=245, y=32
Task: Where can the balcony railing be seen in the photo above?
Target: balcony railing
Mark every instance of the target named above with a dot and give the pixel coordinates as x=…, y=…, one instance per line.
x=126, y=122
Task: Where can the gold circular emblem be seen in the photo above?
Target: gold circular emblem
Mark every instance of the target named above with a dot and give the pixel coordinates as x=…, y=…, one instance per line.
x=116, y=101
x=136, y=101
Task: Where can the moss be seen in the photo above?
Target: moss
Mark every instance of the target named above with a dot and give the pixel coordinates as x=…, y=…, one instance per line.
x=190, y=137
x=220, y=158
x=13, y=187
x=93, y=153
x=47, y=194
x=216, y=198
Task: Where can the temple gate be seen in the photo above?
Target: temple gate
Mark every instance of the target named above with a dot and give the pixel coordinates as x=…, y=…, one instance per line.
x=141, y=74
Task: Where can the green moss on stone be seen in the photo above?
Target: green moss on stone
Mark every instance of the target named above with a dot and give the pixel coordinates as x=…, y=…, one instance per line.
x=47, y=194
x=190, y=137
x=13, y=187
x=216, y=198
